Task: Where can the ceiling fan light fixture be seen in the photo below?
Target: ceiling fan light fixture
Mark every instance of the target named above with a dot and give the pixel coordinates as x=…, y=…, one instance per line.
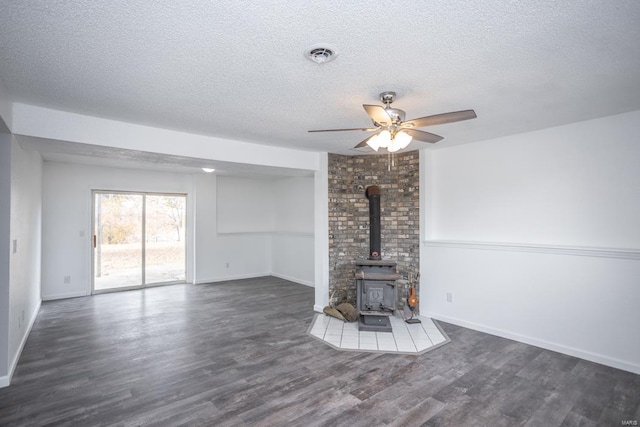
x=381, y=140
x=393, y=147
x=384, y=139
x=402, y=139
x=373, y=143
x=393, y=132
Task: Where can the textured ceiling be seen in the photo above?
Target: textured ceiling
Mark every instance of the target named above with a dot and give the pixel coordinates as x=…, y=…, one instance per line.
x=236, y=69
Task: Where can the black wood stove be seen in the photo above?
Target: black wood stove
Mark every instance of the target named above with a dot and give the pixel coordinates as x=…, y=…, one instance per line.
x=376, y=294
x=375, y=278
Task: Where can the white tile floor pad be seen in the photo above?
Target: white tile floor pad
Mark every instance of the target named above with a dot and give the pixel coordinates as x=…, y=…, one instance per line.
x=416, y=338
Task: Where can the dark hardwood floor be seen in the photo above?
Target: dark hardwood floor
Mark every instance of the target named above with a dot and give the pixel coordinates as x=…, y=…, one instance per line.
x=237, y=353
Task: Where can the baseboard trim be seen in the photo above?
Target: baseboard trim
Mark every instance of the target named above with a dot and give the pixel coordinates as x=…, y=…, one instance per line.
x=571, y=351
x=253, y=276
x=294, y=279
x=318, y=309
x=5, y=381
x=294, y=233
x=64, y=296
x=227, y=278
x=545, y=249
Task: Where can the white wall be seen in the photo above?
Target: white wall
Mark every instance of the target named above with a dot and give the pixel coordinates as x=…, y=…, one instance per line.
x=321, y=233
x=267, y=221
x=5, y=253
x=537, y=238
x=237, y=254
x=293, y=241
x=243, y=250
x=6, y=110
x=245, y=205
x=292, y=257
x=26, y=213
x=570, y=185
x=66, y=225
x=294, y=207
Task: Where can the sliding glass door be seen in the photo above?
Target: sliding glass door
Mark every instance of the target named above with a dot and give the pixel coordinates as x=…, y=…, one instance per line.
x=165, y=259
x=139, y=240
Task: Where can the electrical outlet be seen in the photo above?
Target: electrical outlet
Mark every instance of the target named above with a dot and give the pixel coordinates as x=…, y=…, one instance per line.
x=228, y=265
x=15, y=246
x=67, y=280
x=449, y=297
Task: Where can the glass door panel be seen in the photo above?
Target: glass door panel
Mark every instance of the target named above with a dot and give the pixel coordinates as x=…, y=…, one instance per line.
x=118, y=244
x=165, y=257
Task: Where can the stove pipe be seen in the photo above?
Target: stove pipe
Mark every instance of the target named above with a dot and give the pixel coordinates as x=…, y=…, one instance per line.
x=373, y=194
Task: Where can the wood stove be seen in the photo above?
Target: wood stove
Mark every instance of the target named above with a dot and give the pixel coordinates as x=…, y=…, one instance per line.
x=376, y=294
x=375, y=278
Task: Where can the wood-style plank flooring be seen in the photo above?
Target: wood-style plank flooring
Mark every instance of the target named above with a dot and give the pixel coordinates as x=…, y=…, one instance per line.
x=237, y=353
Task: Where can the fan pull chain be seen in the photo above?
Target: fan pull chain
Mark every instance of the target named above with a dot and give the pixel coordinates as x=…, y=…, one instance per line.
x=391, y=160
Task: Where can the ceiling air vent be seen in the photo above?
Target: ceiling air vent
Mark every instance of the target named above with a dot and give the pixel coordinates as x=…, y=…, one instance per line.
x=320, y=54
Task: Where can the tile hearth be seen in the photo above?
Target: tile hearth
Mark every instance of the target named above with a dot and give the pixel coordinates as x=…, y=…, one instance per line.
x=416, y=338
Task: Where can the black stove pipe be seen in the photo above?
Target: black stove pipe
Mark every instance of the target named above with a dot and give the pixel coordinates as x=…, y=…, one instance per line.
x=373, y=194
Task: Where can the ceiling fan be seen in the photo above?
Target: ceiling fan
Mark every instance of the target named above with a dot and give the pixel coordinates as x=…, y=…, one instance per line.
x=393, y=132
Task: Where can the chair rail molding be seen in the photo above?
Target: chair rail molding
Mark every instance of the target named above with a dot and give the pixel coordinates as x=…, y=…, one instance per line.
x=530, y=247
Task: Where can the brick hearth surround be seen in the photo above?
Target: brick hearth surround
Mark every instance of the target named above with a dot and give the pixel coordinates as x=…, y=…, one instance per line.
x=349, y=217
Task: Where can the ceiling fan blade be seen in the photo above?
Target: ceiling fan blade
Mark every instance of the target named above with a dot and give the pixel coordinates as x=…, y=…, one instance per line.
x=364, y=143
x=420, y=135
x=378, y=114
x=342, y=130
x=440, y=119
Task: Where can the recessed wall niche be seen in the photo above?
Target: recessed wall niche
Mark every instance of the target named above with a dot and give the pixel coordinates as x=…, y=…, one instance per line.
x=349, y=176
